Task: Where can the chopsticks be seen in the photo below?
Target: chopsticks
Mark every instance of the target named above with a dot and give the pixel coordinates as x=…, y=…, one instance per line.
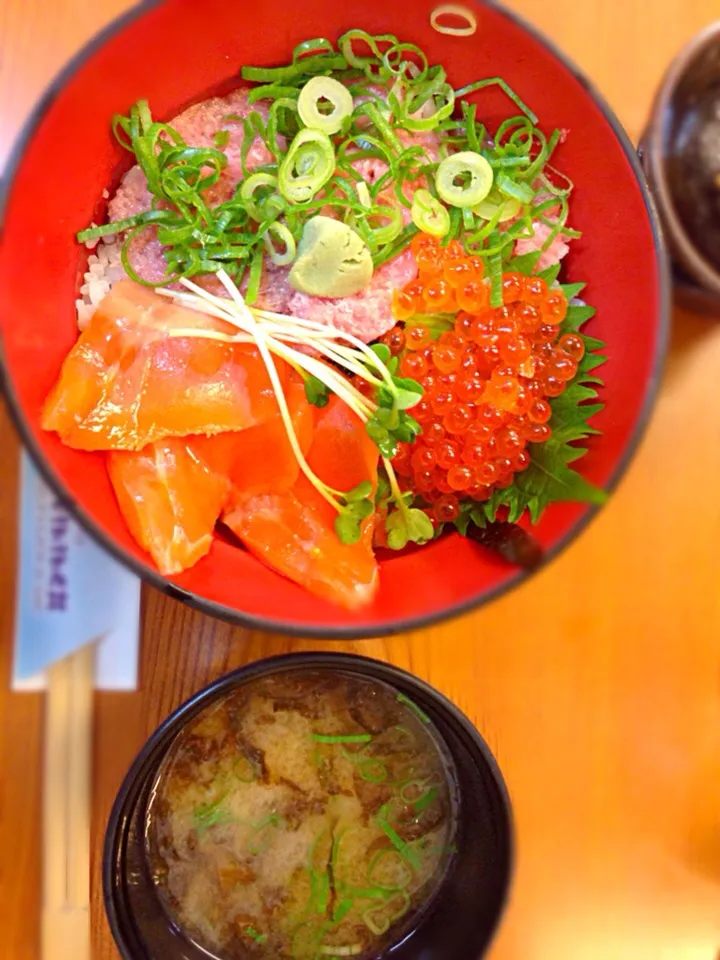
x=66, y=808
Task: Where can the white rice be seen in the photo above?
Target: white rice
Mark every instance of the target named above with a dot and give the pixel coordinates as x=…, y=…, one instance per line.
x=104, y=268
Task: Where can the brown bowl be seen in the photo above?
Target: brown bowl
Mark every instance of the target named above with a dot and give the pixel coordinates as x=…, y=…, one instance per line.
x=694, y=72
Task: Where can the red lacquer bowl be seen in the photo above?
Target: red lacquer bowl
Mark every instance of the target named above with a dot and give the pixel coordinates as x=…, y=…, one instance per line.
x=180, y=51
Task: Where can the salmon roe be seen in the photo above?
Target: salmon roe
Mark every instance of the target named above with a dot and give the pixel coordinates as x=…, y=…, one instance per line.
x=486, y=382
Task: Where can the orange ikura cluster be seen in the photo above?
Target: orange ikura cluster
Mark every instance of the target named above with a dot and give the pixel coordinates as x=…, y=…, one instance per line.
x=486, y=382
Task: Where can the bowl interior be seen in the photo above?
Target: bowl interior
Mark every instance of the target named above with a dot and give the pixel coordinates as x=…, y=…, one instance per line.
x=468, y=906
x=175, y=53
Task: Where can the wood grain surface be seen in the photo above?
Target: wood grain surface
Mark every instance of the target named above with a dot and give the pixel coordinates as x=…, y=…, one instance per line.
x=597, y=684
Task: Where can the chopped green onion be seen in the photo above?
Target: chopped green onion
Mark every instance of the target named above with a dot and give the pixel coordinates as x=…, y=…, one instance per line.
x=260, y=838
x=211, y=814
x=363, y=194
x=371, y=111
x=378, y=858
x=253, y=288
x=401, y=698
x=420, y=93
x=307, y=166
x=286, y=238
x=428, y=214
x=468, y=218
x=305, y=67
x=254, y=935
x=342, y=909
x=342, y=738
x=313, y=93
x=374, y=771
x=495, y=204
x=421, y=802
x=382, y=924
x=365, y=63
x=356, y=756
x=383, y=235
x=552, y=187
x=272, y=91
x=315, y=46
x=119, y=226
x=396, y=63
x=511, y=188
x=455, y=225
x=395, y=838
x=452, y=29
x=517, y=133
x=248, y=188
x=507, y=90
x=444, y=102
x=282, y=124
x=424, y=802
x=495, y=265
x=475, y=172
x=323, y=892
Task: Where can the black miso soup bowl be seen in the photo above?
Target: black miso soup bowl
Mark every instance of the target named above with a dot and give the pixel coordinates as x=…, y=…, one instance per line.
x=675, y=152
x=457, y=925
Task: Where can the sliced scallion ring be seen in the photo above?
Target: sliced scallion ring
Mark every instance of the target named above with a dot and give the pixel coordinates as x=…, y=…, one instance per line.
x=281, y=233
x=248, y=188
x=509, y=207
x=458, y=12
x=444, y=101
x=311, y=96
x=429, y=215
x=475, y=173
x=388, y=231
x=307, y=166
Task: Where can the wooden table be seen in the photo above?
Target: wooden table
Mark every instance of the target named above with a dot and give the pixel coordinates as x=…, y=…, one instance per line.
x=597, y=684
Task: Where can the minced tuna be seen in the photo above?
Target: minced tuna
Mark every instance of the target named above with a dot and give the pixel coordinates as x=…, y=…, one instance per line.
x=367, y=314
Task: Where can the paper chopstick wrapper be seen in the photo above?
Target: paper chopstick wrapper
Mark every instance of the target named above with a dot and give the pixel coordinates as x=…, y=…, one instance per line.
x=69, y=592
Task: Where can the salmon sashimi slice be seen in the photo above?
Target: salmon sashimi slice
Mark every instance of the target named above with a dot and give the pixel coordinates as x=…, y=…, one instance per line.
x=171, y=494
x=293, y=531
x=342, y=454
x=128, y=382
x=291, y=535
x=261, y=457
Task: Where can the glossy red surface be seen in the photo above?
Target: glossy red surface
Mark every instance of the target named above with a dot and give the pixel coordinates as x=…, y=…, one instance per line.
x=179, y=52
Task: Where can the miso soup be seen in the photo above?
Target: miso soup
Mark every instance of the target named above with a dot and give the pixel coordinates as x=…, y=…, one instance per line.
x=309, y=815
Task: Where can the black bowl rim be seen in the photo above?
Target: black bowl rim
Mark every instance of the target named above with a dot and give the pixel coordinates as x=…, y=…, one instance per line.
x=379, y=669
x=342, y=631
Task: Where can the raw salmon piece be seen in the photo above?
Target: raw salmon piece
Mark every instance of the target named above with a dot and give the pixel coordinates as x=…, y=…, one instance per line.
x=171, y=495
x=261, y=457
x=293, y=531
x=127, y=382
x=290, y=533
x=342, y=454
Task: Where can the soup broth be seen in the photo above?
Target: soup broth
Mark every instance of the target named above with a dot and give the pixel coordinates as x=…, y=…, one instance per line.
x=309, y=815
